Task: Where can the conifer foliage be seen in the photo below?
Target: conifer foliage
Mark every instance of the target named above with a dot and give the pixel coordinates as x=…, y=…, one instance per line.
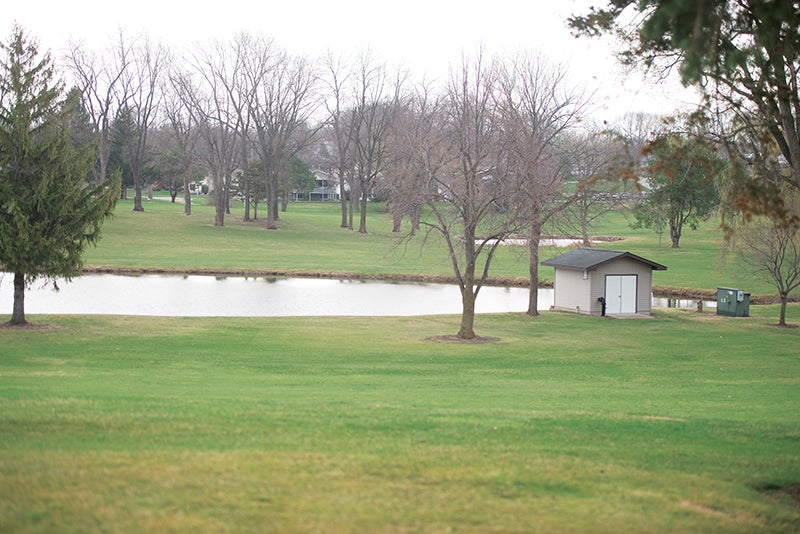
x=49, y=208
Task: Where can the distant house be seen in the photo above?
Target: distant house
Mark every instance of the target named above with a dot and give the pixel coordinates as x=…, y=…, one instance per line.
x=595, y=282
x=327, y=189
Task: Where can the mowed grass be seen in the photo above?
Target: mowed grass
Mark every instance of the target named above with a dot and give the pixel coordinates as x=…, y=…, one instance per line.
x=681, y=423
x=310, y=240
x=702, y=262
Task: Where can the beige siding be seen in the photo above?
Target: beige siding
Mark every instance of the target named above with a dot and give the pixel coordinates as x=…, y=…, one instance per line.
x=625, y=266
x=570, y=292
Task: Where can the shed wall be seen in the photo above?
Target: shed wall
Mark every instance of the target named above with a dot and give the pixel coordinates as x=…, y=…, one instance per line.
x=571, y=292
x=625, y=266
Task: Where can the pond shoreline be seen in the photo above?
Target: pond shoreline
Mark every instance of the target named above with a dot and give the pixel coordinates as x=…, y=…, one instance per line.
x=283, y=273
x=658, y=291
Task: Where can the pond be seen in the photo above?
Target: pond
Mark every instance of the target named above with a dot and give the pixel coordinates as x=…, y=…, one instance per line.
x=204, y=295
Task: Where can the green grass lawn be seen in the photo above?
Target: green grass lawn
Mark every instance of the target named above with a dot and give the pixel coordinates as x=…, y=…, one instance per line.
x=699, y=263
x=682, y=423
x=311, y=241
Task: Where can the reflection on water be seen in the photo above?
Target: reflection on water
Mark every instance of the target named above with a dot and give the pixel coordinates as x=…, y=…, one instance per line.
x=201, y=295
x=197, y=296
x=666, y=302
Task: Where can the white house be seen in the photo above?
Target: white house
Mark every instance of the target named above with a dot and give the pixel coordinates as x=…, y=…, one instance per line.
x=327, y=188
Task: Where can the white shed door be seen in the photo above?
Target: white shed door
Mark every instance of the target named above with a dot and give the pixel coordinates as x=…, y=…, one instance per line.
x=621, y=294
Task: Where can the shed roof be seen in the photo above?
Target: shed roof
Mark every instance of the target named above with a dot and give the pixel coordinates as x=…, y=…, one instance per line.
x=588, y=259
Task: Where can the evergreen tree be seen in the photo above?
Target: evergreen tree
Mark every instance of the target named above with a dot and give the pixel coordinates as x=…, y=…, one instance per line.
x=49, y=211
x=118, y=158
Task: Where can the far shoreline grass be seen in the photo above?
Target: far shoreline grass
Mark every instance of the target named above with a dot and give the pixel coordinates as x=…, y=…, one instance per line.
x=311, y=243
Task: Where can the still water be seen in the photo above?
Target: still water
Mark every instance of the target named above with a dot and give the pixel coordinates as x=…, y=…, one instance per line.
x=200, y=295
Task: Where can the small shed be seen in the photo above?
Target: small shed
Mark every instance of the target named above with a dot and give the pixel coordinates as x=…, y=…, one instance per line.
x=586, y=280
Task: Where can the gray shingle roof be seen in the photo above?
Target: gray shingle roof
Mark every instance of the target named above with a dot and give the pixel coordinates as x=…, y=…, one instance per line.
x=587, y=259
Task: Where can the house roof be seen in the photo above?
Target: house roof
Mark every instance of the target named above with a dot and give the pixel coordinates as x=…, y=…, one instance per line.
x=588, y=259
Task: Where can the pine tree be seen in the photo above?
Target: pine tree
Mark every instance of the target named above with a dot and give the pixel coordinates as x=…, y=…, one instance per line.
x=49, y=210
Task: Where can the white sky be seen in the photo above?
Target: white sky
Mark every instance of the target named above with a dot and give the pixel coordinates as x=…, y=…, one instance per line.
x=425, y=36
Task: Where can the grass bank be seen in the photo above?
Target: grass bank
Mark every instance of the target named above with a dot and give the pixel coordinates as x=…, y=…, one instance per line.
x=681, y=423
x=311, y=242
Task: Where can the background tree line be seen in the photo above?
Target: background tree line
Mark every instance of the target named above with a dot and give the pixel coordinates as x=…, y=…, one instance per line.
x=502, y=147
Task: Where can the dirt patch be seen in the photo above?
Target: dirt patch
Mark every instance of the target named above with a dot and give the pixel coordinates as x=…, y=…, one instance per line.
x=453, y=338
x=784, y=494
x=792, y=492
x=705, y=510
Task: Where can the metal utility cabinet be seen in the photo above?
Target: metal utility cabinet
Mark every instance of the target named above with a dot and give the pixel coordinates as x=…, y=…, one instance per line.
x=733, y=302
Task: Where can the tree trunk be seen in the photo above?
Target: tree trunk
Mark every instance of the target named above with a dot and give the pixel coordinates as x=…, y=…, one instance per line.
x=228, y=179
x=585, y=228
x=782, y=320
x=362, y=223
x=343, y=199
x=272, y=208
x=219, y=213
x=533, y=270
x=467, y=283
x=187, y=199
x=272, y=215
x=675, y=235
x=416, y=215
x=272, y=203
x=467, y=329
x=352, y=210
x=18, y=313
x=137, y=197
x=397, y=221
x=219, y=202
x=534, y=235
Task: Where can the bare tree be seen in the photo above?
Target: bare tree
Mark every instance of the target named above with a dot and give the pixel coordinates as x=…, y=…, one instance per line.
x=340, y=126
x=100, y=78
x=769, y=244
x=240, y=93
x=469, y=182
x=183, y=136
x=205, y=92
x=772, y=249
x=538, y=105
x=280, y=105
x=415, y=154
x=142, y=80
x=376, y=103
x=592, y=158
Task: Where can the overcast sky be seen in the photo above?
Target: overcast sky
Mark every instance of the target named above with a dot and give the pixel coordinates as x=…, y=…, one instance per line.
x=425, y=36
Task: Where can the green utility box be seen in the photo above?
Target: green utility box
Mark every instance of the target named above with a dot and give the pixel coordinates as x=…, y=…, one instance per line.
x=733, y=302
